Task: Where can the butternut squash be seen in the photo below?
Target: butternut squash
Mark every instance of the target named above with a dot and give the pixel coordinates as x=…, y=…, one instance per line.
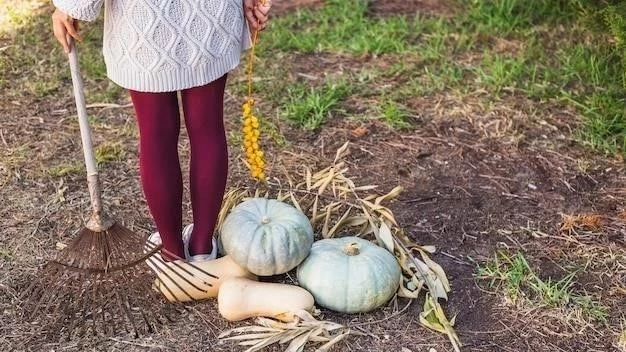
x=241, y=298
x=184, y=287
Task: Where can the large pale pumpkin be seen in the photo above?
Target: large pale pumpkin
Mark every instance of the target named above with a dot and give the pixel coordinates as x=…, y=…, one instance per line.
x=266, y=237
x=349, y=274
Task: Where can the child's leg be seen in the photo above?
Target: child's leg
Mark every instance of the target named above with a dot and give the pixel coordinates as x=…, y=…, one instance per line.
x=159, y=126
x=204, y=118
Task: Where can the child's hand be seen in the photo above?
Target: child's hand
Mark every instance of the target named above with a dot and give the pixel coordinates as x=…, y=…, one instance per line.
x=256, y=12
x=64, y=27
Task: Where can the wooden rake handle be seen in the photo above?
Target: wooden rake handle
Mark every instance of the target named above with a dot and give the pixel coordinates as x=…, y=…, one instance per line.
x=99, y=221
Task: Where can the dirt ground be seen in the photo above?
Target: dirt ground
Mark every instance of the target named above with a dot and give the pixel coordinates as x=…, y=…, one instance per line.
x=473, y=186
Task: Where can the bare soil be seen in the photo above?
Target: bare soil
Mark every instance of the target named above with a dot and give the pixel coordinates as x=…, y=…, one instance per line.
x=477, y=180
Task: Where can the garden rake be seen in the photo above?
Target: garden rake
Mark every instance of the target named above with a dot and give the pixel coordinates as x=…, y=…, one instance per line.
x=99, y=283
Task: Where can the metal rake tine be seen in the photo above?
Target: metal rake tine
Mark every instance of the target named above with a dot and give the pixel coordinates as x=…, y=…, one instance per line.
x=115, y=240
x=190, y=274
x=35, y=285
x=71, y=312
x=68, y=311
x=106, y=251
x=204, y=272
x=47, y=298
x=197, y=268
x=183, y=278
x=124, y=306
x=164, y=285
x=128, y=310
x=75, y=324
x=113, y=313
x=176, y=257
x=168, y=290
x=152, y=247
x=150, y=327
x=160, y=259
x=190, y=264
x=100, y=310
x=103, y=304
x=151, y=260
x=133, y=236
x=94, y=313
x=87, y=302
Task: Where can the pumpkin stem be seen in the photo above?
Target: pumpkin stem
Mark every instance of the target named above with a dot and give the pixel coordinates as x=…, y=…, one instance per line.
x=352, y=249
x=265, y=220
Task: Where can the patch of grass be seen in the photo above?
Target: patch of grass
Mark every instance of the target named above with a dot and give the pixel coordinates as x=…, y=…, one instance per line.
x=464, y=54
x=341, y=26
x=395, y=115
x=5, y=253
x=108, y=152
x=510, y=272
x=25, y=67
x=436, y=41
x=234, y=138
x=550, y=292
x=497, y=72
x=439, y=78
x=566, y=68
x=92, y=66
x=16, y=14
x=272, y=131
x=604, y=127
x=595, y=66
x=592, y=308
x=13, y=158
x=310, y=107
x=522, y=285
x=65, y=170
x=591, y=81
x=34, y=63
x=12, y=161
x=506, y=16
x=405, y=79
x=96, y=122
x=106, y=92
x=42, y=88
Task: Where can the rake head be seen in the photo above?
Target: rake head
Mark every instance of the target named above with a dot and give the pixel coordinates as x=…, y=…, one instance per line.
x=98, y=285
x=115, y=248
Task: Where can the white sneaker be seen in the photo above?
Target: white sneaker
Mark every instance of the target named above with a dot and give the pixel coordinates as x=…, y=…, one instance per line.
x=155, y=240
x=197, y=257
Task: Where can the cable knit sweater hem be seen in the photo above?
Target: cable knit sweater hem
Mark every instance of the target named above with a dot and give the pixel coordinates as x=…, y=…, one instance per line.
x=160, y=46
x=169, y=81
x=84, y=10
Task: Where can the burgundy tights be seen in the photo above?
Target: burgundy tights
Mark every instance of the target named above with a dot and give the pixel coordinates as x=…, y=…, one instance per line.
x=159, y=166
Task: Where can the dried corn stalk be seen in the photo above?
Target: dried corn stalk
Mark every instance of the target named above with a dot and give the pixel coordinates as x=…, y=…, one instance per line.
x=434, y=318
x=298, y=333
x=336, y=206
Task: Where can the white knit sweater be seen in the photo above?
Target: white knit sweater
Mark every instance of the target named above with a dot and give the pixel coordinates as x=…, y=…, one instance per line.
x=166, y=45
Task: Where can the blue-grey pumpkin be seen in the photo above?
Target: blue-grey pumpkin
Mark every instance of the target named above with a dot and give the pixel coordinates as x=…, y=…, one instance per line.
x=350, y=274
x=266, y=237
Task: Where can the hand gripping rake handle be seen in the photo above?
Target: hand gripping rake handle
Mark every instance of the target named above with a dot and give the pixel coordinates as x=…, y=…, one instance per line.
x=99, y=221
